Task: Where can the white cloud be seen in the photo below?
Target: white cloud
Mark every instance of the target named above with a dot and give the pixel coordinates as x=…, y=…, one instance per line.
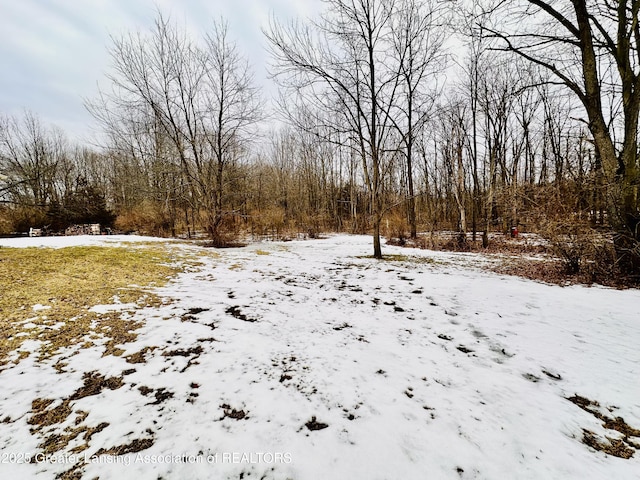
x=54, y=52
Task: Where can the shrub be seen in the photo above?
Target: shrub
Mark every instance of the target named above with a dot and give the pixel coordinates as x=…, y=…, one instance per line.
x=226, y=232
x=584, y=251
x=395, y=227
x=6, y=224
x=144, y=218
x=22, y=218
x=269, y=222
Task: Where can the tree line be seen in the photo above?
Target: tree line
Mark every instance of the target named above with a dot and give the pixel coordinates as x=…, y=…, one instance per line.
x=394, y=117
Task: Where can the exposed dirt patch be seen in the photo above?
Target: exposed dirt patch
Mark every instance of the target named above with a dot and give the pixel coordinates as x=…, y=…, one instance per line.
x=553, y=376
x=190, y=316
x=209, y=339
x=74, y=473
x=288, y=366
x=119, y=332
x=88, y=433
x=144, y=390
x=583, y=403
x=342, y=327
x=139, y=357
x=235, y=311
x=134, y=446
x=55, y=441
x=43, y=416
x=610, y=446
x=94, y=383
x=314, y=425
x=162, y=394
x=197, y=310
x=233, y=413
x=618, y=424
x=290, y=379
x=197, y=350
x=624, y=447
x=193, y=353
x=192, y=397
x=531, y=377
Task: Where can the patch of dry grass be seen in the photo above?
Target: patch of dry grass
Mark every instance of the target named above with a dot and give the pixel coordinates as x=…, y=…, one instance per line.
x=46, y=296
x=139, y=357
x=47, y=416
x=69, y=281
x=136, y=445
x=623, y=447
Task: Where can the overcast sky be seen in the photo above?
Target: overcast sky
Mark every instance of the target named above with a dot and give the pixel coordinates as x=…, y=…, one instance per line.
x=53, y=53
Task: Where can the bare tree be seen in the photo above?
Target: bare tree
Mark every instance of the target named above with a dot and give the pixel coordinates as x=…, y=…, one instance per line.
x=201, y=100
x=591, y=47
x=340, y=63
x=29, y=159
x=475, y=67
x=454, y=142
x=418, y=43
x=152, y=113
x=232, y=106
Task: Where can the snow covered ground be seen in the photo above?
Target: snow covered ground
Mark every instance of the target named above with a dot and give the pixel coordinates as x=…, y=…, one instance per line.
x=309, y=360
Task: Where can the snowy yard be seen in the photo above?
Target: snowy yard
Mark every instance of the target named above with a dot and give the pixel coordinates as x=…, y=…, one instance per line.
x=310, y=360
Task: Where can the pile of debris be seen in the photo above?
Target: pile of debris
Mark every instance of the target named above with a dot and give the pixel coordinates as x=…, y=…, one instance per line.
x=86, y=229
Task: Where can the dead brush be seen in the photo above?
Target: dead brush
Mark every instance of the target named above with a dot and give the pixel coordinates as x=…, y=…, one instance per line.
x=396, y=228
x=583, y=251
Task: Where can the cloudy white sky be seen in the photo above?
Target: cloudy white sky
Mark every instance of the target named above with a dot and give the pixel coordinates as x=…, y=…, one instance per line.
x=53, y=53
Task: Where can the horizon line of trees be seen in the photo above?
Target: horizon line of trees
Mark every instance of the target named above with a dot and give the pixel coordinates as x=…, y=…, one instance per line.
x=383, y=129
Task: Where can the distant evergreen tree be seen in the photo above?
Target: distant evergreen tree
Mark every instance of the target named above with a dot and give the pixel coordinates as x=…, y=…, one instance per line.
x=85, y=204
